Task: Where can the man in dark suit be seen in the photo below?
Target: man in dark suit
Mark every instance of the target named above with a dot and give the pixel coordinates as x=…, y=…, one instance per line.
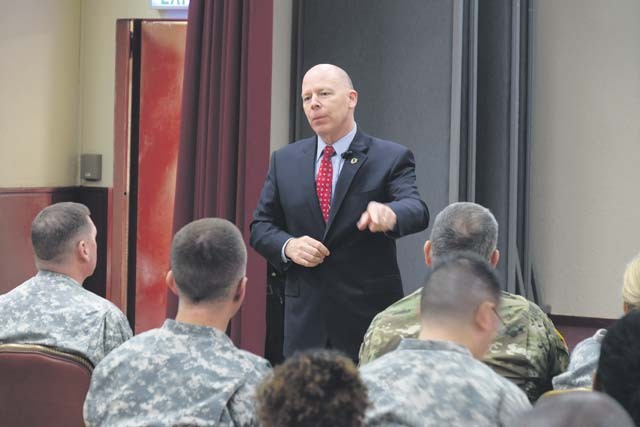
x=330, y=210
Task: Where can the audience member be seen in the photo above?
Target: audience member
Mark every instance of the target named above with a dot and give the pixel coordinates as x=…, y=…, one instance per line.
x=584, y=357
x=314, y=389
x=528, y=351
x=52, y=308
x=618, y=373
x=188, y=372
x=435, y=380
x=575, y=409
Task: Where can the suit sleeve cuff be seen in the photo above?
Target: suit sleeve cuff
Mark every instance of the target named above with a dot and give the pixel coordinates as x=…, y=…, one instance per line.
x=282, y=255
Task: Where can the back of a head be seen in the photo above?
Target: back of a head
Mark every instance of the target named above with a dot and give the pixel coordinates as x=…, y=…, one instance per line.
x=575, y=409
x=456, y=285
x=631, y=287
x=464, y=226
x=56, y=229
x=208, y=258
x=618, y=373
x=320, y=388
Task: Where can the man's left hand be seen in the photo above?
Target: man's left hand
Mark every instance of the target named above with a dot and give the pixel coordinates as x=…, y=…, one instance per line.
x=377, y=218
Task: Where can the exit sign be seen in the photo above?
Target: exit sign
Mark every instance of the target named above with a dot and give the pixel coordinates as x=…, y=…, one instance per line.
x=170, y=4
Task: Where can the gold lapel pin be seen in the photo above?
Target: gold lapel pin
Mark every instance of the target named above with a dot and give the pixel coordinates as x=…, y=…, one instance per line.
x=354, y=160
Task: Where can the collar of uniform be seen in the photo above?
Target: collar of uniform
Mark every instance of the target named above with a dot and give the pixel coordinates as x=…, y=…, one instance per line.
x=195, y=330
x=432, y=345
x=341, y=145
x=59, y=277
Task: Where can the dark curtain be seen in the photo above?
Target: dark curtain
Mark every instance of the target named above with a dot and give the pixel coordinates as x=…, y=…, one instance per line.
x=224, y=139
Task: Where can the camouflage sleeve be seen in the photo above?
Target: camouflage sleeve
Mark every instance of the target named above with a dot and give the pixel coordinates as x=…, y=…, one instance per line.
x=559, y=354
x=514, y=402
x=377, y=341
x=116, y=330
x=242, y=407
x=400, y=320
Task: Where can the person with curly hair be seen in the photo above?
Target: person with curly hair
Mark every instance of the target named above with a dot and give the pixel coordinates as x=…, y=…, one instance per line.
x=317, y=388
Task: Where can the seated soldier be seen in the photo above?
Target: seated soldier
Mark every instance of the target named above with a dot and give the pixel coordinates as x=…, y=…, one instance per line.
x=435, y=380
x=313, y=388
x=188, y=372
x=584, y=357
x=52, y=308
x=529, y=351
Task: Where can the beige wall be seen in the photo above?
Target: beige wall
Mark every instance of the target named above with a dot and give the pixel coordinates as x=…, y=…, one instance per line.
x=39, y=47
x=281, y=73
x=586, y=152
x=97, y=61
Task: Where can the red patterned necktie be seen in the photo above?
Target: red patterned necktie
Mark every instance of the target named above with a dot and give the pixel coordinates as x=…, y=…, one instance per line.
x=324, y=181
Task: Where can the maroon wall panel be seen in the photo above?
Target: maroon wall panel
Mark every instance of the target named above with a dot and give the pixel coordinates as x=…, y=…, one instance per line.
x=18, y=207
x=17, y=210
x=161, y=72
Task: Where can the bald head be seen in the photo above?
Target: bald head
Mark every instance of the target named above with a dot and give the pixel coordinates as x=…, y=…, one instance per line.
x=331, y=71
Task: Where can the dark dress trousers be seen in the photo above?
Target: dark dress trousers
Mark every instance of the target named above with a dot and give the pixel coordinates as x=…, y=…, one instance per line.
x=334, y=302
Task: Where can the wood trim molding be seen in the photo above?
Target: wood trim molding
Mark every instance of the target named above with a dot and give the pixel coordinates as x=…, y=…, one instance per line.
x=583, y=322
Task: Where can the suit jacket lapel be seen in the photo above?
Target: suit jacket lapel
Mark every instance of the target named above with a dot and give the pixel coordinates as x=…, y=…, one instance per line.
x=349, y=170
x=306, y=166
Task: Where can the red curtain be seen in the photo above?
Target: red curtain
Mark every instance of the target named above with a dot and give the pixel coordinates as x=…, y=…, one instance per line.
x=224, y=139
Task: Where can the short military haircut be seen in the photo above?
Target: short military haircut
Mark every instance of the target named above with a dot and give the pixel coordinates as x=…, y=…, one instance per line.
x=56, y=229
x=464, y=226
x=208, y=257
x=314, y=388
x=457, y=284
x=618, y=373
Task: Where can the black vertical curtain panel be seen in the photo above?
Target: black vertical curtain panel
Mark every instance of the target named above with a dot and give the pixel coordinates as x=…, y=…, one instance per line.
x=224, y=139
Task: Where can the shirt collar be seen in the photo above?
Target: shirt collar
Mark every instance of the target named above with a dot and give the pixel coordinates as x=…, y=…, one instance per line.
x=433, y=345
x=341, y=145
x=195, y=330
x=61, y=277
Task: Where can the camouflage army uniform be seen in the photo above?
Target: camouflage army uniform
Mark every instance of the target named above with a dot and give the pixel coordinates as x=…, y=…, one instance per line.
x=53, y=309
x=583, y=364
x=529, y=352
x=179, y=374
x=438, y=383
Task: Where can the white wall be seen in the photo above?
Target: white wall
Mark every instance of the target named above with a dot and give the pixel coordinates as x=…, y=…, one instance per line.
x=40, y=48
x=586, y=152
x=98, y=74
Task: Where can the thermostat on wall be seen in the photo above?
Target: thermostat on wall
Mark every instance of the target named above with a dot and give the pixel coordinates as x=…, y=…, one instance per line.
x=91, y=167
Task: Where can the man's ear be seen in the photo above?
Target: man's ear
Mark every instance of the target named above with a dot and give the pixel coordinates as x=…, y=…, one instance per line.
x=171, y=283
x=238, y=296
x=427, y=253
x=82, y=250
x=353, y=98
x=485, y=317
x=240, y=292
x=495, y=257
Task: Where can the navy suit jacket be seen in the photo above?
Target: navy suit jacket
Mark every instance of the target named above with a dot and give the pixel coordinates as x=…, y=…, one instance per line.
x=334, y=302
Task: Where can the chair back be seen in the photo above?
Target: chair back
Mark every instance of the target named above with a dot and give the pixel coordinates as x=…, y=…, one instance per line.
x=42, y=386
